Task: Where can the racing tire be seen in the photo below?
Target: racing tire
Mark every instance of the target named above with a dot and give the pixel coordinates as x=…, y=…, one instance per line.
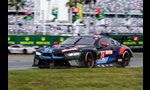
x=33, y=52
x=35, y=60
x=126, y=59
x=42, y=67
x=89, y=60
x=25, y=51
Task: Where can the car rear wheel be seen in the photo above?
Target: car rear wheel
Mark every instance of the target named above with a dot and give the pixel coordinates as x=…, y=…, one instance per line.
x=89, y=60
x=24, y=51
x=126, y=59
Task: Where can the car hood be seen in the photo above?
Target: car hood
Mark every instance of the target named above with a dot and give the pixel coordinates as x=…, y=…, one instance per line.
x=48, y=50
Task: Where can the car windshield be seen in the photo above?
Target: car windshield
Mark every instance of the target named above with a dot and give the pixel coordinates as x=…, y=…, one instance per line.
x=86, y=41
x=70, y=41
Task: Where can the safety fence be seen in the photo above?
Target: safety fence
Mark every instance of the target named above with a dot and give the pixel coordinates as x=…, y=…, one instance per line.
x=47, y=40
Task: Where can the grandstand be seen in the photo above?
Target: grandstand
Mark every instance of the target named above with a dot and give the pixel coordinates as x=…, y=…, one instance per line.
x=120, y=5
x=114, y=21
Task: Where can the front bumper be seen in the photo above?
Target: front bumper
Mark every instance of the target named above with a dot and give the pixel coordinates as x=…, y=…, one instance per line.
x=64, y=57
x=44, y=61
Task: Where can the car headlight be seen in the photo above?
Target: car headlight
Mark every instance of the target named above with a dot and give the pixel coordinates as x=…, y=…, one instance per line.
x=73, y=54
x=38, y=53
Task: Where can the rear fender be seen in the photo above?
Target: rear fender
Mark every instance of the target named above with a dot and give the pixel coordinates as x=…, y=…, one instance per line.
x=122, y=49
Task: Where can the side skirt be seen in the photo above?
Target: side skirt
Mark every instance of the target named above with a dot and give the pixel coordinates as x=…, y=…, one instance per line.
x=113, y=64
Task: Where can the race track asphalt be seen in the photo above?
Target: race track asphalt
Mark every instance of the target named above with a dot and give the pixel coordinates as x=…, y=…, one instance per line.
x=20, y=62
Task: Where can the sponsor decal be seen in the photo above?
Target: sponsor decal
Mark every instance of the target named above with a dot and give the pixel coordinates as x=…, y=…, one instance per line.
x=72, y=49
x=98, y=65
x=26, y=42
x=129, y=43
x=61, y=39
x=27, y=38
x=135, y=38
x=43, y=38
x=9, y=38
x=119, y=60
x=105, y=65
x=43, y=42
x=102, y=55
x=11, y=42
x=110, y=65
x=141, y=43
x=108, y=52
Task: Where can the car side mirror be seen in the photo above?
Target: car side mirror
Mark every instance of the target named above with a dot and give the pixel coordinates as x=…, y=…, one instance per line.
x=104, y=44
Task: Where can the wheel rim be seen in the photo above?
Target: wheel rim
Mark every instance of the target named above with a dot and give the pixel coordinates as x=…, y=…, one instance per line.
x=126, y=59
x=90, y=61
x=25, y=51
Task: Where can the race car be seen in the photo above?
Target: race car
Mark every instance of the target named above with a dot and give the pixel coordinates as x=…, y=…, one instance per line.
x=20, y=49
x=84, y=51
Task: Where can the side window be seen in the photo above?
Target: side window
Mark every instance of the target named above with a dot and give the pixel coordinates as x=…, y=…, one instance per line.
x=118, y=43
x=113, y=42
x=15, y=46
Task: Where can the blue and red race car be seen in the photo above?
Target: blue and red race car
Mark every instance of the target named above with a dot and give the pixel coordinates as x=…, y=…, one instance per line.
x=84, y=51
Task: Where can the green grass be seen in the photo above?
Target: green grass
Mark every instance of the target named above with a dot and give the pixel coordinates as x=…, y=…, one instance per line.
x=76, y=79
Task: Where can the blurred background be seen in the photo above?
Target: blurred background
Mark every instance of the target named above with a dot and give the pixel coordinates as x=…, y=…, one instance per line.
x=38, y=16
x=73, y=17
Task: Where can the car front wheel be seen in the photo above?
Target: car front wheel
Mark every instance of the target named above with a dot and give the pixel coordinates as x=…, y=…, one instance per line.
x=126, y=59
x=89, y=60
